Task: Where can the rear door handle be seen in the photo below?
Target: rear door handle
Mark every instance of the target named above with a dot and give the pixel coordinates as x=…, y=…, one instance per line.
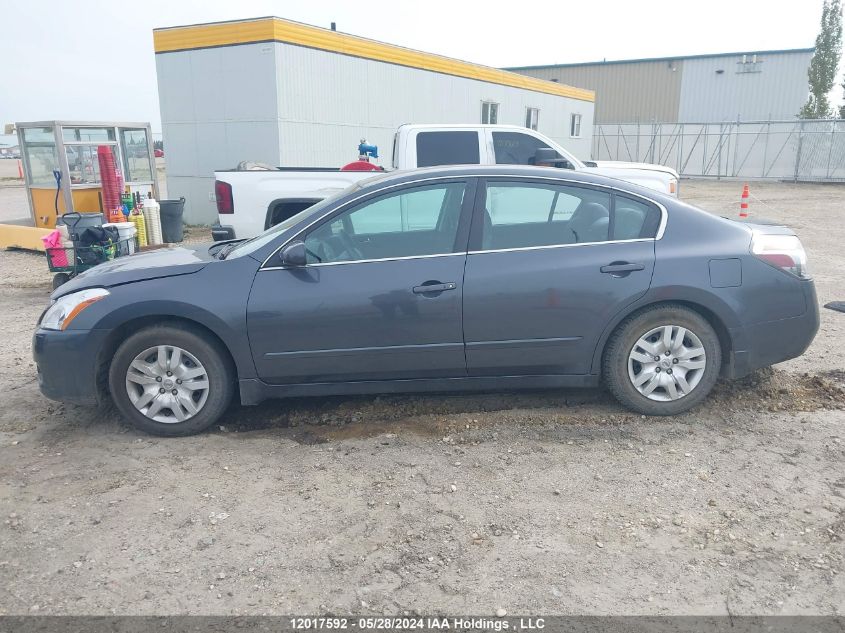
x=432, y=287
x=621, y=267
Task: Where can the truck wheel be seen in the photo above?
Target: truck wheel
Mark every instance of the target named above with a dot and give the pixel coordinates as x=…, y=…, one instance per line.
x=663, y=360
x=170, y=380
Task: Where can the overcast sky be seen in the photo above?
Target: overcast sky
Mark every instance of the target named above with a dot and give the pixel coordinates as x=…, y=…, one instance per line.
x=93, y=59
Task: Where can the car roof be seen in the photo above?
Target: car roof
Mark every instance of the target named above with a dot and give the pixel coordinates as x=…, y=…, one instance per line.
x=516, y=171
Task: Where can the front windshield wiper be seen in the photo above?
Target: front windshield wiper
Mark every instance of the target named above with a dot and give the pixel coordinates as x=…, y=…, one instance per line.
x=227, y=248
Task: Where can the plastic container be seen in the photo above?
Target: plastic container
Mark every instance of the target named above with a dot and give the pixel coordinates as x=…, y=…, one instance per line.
x=171, y=220
x=53, y=245
x=140, y=225
x=152, y=218
x=126, y=232
x=76, y=223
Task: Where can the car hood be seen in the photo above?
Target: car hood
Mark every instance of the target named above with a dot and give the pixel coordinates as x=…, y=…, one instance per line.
x=624, y=165
x=163, y=262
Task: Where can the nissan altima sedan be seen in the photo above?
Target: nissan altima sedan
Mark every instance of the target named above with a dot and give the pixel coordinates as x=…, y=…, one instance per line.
x=445, y=279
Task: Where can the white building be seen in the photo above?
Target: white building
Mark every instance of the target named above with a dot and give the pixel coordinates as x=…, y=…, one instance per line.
x=744, y=86
x=289, y=94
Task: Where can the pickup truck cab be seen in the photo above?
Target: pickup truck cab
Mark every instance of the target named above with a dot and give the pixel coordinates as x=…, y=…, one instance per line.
x=254, y=199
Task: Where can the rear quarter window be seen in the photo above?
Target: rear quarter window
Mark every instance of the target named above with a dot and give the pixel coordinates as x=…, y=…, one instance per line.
x=447, y=148
x=634, y=219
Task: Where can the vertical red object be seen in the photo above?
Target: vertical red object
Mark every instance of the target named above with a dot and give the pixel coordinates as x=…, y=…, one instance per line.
x=110, y=178
x=20, y=170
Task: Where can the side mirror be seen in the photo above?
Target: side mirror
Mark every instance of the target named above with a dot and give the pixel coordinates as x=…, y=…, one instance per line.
x=547, y=157
x=293, y=254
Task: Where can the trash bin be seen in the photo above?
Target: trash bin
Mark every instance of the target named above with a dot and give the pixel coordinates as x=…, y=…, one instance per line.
x=171, y=219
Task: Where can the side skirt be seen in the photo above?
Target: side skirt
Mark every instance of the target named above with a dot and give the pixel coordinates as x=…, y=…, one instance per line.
x=253, y=390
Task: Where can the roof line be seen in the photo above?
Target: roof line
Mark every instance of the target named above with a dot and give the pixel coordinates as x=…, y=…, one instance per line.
x=677, y=58
x=272, y=29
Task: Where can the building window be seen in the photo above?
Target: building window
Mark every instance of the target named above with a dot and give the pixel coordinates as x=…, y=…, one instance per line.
x=749, y=64
x=489, y=112
x=575, y=126
x=532, y=115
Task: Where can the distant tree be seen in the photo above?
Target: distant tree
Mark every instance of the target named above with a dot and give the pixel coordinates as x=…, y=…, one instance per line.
x=825, y=62
x=842, y=107
x=158, y=145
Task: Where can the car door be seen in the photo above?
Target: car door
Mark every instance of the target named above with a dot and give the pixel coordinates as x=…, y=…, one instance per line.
x=379, y=297
x=550, y=263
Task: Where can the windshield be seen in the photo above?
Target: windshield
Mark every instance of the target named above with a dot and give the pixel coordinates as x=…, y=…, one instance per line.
x=253, y=244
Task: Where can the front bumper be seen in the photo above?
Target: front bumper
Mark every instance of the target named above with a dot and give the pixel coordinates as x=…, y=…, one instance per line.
x=221, y=233
x=764, y=344
x=67, y=364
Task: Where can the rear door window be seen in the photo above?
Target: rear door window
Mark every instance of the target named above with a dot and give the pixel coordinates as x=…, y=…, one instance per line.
x=532, y=214
x=447, y=148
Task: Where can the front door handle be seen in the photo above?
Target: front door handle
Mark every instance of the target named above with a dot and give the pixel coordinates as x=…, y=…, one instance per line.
x=430, y=287
x=621, y=267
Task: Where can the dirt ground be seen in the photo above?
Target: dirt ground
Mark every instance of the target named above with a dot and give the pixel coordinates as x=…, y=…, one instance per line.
x=550, y=502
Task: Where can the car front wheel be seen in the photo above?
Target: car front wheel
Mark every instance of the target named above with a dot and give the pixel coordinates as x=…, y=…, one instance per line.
x=663, y=360
x=170, y=380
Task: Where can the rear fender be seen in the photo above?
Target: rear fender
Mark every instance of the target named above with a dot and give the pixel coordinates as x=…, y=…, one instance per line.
x=709, y=305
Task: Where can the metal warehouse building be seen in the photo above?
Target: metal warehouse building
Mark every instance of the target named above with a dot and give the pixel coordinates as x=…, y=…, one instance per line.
x=750, y=86
x=289, y=94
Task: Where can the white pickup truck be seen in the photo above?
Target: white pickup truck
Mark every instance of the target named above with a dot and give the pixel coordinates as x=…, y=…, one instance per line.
x=250, y=200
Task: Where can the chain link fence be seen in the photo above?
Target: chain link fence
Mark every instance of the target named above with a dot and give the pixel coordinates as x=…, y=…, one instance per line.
x=798, y=150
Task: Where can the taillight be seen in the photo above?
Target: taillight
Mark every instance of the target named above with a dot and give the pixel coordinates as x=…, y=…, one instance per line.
x=781, y=251
x=673, y=187
x=223, y=194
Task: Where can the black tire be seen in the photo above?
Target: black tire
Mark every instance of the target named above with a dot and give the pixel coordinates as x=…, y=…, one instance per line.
x=626, y=335
x=206, y=350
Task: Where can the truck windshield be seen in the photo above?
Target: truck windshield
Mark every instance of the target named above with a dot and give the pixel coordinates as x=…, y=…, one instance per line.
x=253, y=244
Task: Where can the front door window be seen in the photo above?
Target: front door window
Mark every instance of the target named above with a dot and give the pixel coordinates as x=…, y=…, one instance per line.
x=515, y=148
x=408, y=223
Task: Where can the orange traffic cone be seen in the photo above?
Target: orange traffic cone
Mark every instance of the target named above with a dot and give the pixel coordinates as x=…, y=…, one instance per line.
x=743, y=202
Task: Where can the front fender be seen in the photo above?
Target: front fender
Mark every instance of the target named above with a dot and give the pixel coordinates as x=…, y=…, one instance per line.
x=215, y=298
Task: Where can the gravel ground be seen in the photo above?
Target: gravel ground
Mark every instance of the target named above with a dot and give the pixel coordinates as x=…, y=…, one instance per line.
x=546, y=502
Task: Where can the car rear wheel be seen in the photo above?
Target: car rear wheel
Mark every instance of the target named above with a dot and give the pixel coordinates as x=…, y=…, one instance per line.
x=169, y=380
x=663, y=360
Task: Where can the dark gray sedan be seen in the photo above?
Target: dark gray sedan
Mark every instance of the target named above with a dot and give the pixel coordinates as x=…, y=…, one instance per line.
x=442, y=279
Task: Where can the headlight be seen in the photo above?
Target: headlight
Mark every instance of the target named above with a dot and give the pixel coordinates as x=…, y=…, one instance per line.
x=59, y=315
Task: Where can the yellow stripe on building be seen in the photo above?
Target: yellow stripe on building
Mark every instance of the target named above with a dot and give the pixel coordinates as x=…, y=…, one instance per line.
x=182, y=38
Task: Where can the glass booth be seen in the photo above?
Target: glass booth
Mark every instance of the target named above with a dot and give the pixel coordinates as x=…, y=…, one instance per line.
x=71, y=148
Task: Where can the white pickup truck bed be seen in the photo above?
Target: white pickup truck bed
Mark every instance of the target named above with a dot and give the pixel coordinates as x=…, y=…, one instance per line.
x=260, y=198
